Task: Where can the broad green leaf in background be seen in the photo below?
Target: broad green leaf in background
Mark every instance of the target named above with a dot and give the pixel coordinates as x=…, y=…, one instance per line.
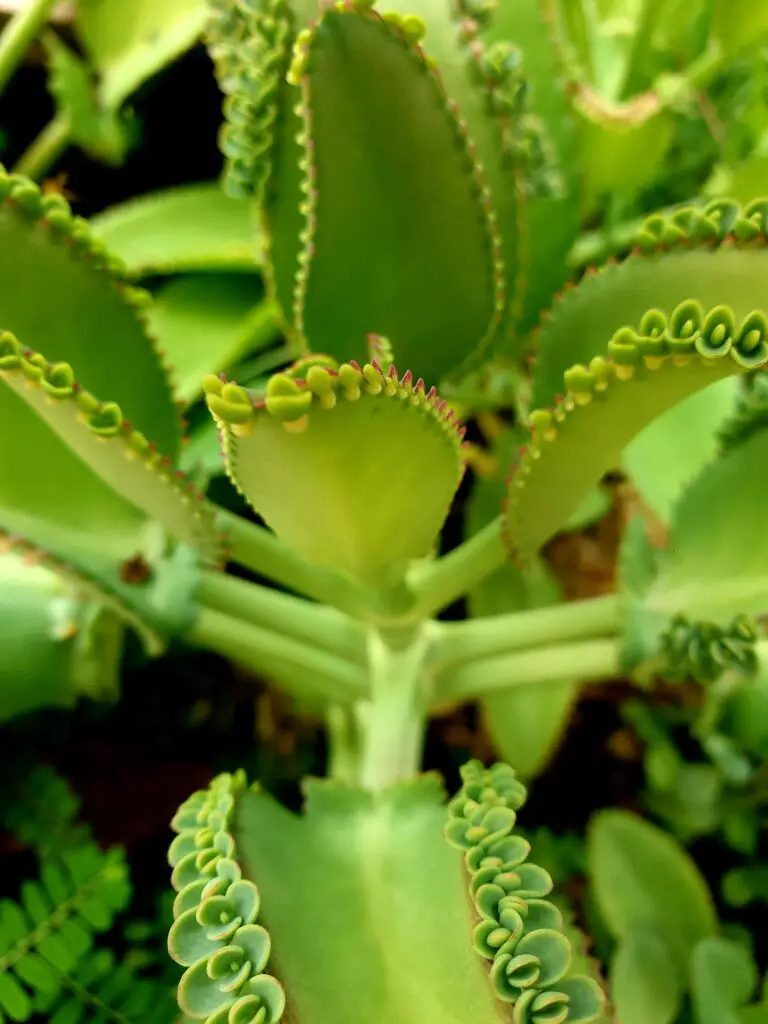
x=671, y=450
x=641, y=876
x=712, y=568
x=551, y=223
x=128, y=41
x=723, y=979
x=105, y=134
x=206, y=323
x=739, y=24
x=525, y=723
x=746, y=714
x=645, y=985
x=188, y=228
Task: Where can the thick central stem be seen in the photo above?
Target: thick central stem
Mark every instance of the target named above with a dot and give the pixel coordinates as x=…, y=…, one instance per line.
x=397, y=713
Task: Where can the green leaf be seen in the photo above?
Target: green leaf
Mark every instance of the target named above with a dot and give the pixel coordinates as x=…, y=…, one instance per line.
x=551, y=223
x=376, y=458
x=188, y=228
x=684, y=256
x=438, y=296
x=626, y=143
x=724, y=503
x=376, y=865
x=723, y=979
x=644, y=983
x=86, y=301
x=746, y=714
x=640, y=876
x=103, y=134
x=671, y=450
x=739, y=24
x=108, y=445
x=604, y=405
x=128, y=41
x=206, y=323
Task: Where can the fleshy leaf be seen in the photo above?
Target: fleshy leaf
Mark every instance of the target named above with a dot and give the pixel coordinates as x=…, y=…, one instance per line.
x=99, y=435
x=188, y=228
x=645, y=985
x=704, y=581
x=739, y=24
x=640, y=876
x=86, y=301
x=205, y=323
x=353, y=468
x=414, y=241
x=723, y=979
x=713, y=255
x=104, y=134
x=672, y=449
x=130, y=41
x=526, y=722
x=552, y=220
x=373, y=864
x=605, y=404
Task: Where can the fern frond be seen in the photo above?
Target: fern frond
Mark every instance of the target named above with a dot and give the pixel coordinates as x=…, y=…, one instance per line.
x=46, y=933
x=41, y=810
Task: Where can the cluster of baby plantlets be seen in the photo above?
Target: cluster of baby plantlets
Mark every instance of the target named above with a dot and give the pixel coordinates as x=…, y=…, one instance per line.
x=214, y=933
x=704, y=651
x=519, y=931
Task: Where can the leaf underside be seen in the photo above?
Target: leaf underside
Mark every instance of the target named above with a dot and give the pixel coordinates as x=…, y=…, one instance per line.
x=411, y=241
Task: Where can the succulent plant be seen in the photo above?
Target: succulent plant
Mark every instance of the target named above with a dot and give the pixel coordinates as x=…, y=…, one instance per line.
x=415, y=213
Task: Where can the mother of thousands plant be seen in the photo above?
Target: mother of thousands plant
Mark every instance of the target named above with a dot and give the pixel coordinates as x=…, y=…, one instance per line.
x=407, y=189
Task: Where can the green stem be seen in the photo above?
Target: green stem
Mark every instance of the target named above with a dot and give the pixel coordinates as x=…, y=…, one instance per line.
x=581, y=662
x=460, y=642
x=444, y=581
x=20, y=32
x=289, y=616
x=396, y=716
x=298, y=668
x=257, y=549
x=46, y=149
x=344, y=744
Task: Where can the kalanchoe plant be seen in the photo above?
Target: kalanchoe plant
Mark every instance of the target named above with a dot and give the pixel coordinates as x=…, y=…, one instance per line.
x=395, y=157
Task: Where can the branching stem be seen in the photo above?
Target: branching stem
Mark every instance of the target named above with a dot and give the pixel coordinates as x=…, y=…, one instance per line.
x=585, y=661
x=290, y=617
x=46, y=149
x=257, y=549
x=302, y=670
x=456, y=643
x=447, y=579
x=396, y=716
